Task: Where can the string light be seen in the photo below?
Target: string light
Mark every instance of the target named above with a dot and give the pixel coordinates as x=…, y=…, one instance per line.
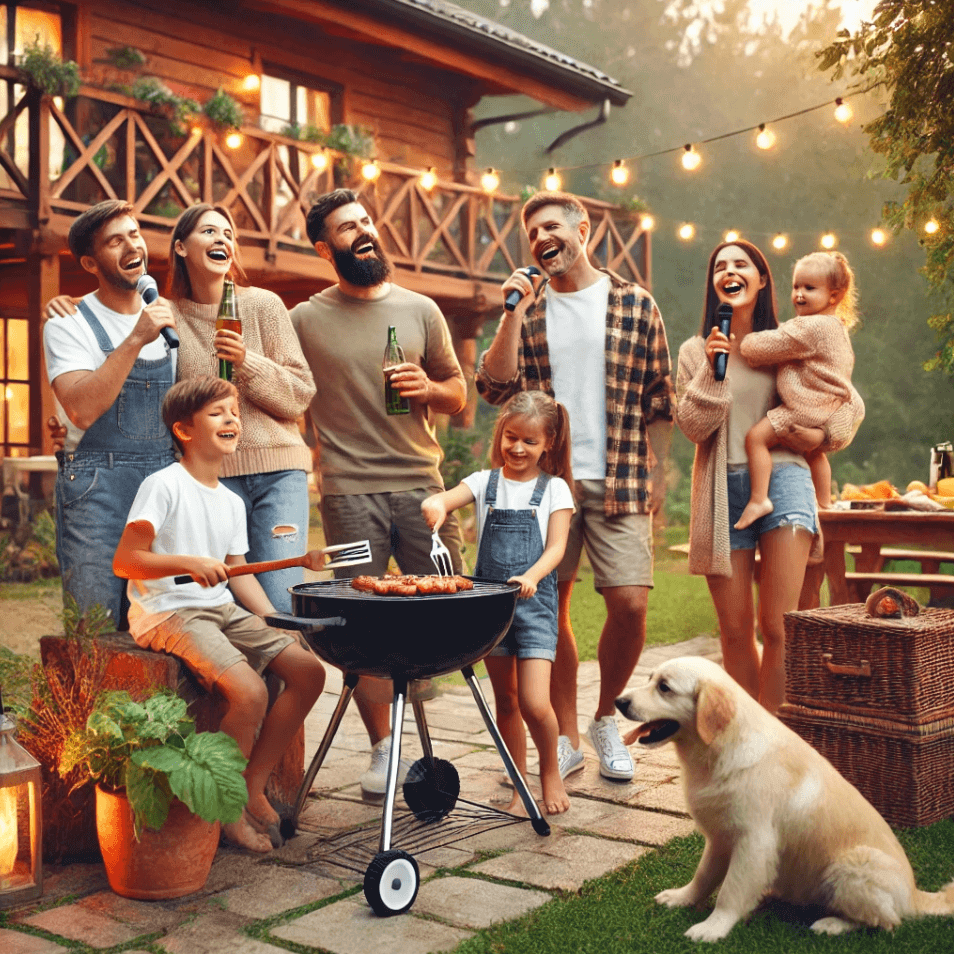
x=687, y=231
x=371, y=170
x=731, y=236
x=320, y=160
x=647, y=223
x=931, y=226
x=233, y=140
x=619, y=174
x=691, y=159
x=552, y=182
x=765, y=138
x=780, y=242
x=843, y=111
x=828, y=240
x=878, y=236
x=429, y=179
x=251, y=82
x=489, y=180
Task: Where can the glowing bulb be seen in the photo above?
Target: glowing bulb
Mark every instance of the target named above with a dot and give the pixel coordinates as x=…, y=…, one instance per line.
x=320, y=160
x=429, y=179
x=489, y=180
x=371, y=170
x=931, y=226
x=233, y=140
x=843, y=111
x=196, y=130
x=878, y=237
x=731, y=236
x=828, y=240
x=619, y=174
x=690, y=158
x=552, y=182
x=251, y=82
x=647, y=223
x=687, y=231
x=780, y=242
x=766, y=138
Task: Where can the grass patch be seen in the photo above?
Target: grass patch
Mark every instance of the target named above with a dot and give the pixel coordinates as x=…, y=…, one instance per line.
x=617, y=913
x=42, y=589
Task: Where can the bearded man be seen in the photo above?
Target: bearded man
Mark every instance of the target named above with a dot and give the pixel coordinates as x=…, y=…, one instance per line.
x=375, y=469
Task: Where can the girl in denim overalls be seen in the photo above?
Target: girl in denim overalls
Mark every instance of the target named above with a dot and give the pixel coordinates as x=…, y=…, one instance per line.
x=523, y=511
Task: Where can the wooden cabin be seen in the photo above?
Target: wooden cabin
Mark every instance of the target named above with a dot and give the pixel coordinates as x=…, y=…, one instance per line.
x=406, y=73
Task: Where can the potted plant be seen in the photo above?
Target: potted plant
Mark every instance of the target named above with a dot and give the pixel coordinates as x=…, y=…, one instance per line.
x=44, y=70
x=162, y=790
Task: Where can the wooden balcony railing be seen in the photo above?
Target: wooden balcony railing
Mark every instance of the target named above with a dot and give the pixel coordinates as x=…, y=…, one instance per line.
x=59, y=161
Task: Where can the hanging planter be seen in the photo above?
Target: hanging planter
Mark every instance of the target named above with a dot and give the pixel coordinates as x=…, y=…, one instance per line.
x=43, y=69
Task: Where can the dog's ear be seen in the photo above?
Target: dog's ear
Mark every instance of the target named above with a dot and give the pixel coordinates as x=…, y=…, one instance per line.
x=715, y=709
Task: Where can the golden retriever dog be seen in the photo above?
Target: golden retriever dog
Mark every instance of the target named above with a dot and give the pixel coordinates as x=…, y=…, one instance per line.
x=777, y=817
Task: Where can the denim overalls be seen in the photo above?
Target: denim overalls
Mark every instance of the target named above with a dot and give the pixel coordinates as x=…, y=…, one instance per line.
x=510, y=544
x=97, y=483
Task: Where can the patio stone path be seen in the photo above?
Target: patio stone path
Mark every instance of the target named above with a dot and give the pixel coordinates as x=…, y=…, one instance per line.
x=486, y=877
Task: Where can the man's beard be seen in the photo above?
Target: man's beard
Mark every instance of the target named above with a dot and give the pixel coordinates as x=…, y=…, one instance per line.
x=119, y=280
x=363, y=272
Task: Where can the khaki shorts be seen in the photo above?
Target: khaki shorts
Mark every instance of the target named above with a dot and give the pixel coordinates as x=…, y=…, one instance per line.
x=211, y=639
x=620, y=547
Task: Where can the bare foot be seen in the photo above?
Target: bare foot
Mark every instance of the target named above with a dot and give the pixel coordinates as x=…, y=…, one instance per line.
x=555, y=799
x=242, y=835
x=752, y=513
x=261, y=812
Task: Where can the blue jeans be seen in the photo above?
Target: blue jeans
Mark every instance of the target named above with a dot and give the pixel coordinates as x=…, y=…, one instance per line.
x=791, y=493
x=276, y=507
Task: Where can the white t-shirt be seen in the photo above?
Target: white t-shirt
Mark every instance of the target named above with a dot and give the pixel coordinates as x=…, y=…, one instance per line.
x=69, y=344
x=515, y=495
x=189, y=518
x=576, y=342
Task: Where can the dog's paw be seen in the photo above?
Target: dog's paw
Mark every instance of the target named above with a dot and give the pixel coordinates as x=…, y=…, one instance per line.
x=714, y=928
x=676, y=897
x=833, y=925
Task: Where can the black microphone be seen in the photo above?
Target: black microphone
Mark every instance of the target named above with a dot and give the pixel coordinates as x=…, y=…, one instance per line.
x=513, y=299
x=724, y=317
x=149, y=292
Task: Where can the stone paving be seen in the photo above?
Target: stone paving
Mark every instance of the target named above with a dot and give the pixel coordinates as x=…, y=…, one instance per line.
x=509, y=870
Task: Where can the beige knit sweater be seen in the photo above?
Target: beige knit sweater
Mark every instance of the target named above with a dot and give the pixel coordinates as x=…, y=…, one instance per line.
x=274, y=384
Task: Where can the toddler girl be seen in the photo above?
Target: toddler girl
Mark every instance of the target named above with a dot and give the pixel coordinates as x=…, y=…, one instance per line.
x=814, y=377
x=523, y=511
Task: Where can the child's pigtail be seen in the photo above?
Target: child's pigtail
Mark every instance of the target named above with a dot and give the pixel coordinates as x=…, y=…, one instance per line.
x=558, y=460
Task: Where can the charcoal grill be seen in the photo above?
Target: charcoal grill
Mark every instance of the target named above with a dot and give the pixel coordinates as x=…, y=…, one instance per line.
x=403, y=638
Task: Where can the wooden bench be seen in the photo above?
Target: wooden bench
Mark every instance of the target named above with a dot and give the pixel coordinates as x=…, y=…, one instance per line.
x=930, y=560
x=859, y=584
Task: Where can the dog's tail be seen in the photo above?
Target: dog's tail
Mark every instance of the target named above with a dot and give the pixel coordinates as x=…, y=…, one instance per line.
x=938, y=903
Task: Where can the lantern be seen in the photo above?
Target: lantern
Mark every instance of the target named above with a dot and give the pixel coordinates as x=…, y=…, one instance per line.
x=21, y=823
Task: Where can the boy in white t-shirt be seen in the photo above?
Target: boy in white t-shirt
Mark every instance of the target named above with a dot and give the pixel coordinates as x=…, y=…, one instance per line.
x=184, y=521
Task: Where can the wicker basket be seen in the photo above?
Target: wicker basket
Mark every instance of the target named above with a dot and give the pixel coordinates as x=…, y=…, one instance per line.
x=906, y=772
x=841, y=659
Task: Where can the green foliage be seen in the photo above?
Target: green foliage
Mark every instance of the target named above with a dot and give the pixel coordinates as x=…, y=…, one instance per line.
x=152, y=750
x=29, y=553
x=126, y=57
x=45, y=71
x=356, y=141
x=85, y=625
x=906, y=53
x=634, y=205
x=179, y=109
x=306, y=133
x=224, y=110
x=15, y=671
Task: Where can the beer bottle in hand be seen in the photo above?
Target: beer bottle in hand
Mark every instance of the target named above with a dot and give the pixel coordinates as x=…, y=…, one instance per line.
x=393, y=356
x=227, y=318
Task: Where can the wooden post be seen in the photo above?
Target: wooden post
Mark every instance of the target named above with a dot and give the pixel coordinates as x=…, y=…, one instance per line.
x=43, y=283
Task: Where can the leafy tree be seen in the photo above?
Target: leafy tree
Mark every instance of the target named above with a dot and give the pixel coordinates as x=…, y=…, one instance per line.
x=907, y=52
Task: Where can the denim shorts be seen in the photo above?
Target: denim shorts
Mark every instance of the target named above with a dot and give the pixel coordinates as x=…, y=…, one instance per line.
x=533, y=632
x=791, y=493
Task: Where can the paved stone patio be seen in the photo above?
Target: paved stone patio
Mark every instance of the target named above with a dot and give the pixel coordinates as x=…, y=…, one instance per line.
x=609, y=824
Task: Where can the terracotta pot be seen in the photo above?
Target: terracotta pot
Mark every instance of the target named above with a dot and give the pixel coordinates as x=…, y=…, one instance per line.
x=168, y=863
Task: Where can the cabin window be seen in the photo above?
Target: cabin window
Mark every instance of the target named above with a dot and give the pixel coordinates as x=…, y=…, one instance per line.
x=15, y=382
x=22, y=24
x=292, y=101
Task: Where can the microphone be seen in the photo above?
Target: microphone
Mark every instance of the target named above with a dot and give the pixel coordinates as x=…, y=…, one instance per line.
x=149, y=292
x=724, y=317
x=513, y=299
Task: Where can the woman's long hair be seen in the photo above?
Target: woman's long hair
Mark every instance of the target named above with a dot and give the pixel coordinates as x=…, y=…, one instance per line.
x=538, y=405
x=765, y=315
x=178, y=283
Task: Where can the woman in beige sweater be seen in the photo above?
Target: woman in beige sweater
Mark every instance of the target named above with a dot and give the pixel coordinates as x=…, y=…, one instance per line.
x=269, y=471
x=716, y=416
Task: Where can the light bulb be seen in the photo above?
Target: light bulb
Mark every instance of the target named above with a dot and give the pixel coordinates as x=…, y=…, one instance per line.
x=731, y=236
x=320, y=160
x=828, y=240
x=647, y=223
x=765, y=138
x=619, y=174
x=780, y=242
x=429, y=179
x=252, y=82
x=687, y=231
x=879, y=236
x=371, y=170
x=931, y=226
x=843, y=111
x=233, y=140
x=690, y=158
x=489, y=180
x=552, y=182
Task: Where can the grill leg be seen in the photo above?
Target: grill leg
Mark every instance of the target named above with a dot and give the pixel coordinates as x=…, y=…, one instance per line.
x=425, y=736
x=394, y=762
x=540, y=824
x=350, y=681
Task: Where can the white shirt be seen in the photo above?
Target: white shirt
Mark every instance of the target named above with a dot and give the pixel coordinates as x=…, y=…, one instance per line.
x=576, y=343
x=189, y=518
x=69, y=344
x=515, y=495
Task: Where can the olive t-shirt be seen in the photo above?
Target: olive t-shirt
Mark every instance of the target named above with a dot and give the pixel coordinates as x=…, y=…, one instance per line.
x=363, y=450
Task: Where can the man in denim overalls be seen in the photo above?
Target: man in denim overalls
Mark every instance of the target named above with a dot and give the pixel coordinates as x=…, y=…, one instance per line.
x=109, y=368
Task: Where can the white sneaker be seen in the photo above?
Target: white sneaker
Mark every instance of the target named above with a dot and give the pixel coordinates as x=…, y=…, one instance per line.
x=615, y=760
x=375, y=780
x=570, y=759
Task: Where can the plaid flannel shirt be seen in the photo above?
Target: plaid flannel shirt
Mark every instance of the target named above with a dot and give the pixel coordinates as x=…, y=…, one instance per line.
x=638, y=385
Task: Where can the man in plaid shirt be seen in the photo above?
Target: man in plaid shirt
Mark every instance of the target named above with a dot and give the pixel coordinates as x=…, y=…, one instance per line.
x=597, y=344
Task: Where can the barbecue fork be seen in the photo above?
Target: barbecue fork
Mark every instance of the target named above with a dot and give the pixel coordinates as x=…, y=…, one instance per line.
x=440, y=556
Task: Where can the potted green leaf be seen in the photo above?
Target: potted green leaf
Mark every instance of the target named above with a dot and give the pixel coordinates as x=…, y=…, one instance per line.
x=162, y=790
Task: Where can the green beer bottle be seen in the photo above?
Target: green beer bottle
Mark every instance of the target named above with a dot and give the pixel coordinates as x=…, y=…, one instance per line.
x=227, y=318
x=393, y=356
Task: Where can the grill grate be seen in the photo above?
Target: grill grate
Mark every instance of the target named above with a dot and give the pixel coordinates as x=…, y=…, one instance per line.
x=342, y=589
